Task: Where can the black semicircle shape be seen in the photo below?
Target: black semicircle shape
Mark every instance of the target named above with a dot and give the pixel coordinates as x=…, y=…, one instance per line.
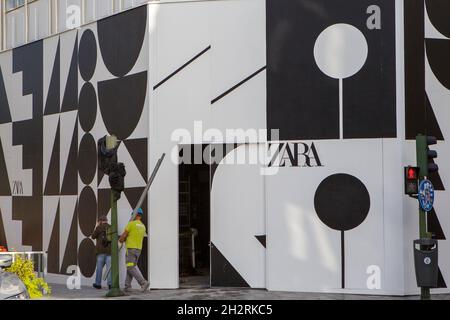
x=121, y=38
x=342, y=202
x=438, y=53
x=438, y=12
x=121, y=103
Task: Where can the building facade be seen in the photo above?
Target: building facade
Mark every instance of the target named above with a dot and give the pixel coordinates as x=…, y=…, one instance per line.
x=300, y=116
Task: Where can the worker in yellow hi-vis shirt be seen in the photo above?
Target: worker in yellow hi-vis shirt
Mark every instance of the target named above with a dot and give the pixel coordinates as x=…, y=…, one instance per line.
x=133, y=237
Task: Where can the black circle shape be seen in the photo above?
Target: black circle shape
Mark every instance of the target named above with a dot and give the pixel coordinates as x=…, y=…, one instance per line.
x=86, y=257
x=87, y=159
x=87, y=211
x=87, y=109
x=342, y=202
x=87, y=55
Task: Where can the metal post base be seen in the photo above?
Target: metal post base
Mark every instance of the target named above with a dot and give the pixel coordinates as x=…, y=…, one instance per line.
x=425, y=294
x=115, y=292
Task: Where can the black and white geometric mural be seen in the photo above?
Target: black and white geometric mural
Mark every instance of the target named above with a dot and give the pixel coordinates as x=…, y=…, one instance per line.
x=58, y=96
x=320, y=88
x=331, y=217
x=427, y=88
x=331, y=84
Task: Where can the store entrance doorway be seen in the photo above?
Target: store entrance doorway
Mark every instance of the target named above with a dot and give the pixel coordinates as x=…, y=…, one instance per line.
x=194, y=220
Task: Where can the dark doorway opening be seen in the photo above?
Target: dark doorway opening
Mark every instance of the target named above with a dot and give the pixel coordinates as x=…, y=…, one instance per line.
x=194, y=220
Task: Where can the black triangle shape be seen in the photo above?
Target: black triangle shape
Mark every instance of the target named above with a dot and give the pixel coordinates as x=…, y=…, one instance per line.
x=53, y=246
x=52, y=183
x=133, y=195
x=70, y=100
x=441, y=281
x=71, y=251
x=138, y=152
x=5, y=115
x=433, y=128
x=100, y=176
x=223, y=274
x=262, y=240
x=70, y=181
x=434, y=226
x=52, y=105
x=3, y=241
x=5, y=189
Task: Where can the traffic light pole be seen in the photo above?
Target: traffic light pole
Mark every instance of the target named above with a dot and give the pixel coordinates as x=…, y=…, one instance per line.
x=422, y=163
x=111, y=143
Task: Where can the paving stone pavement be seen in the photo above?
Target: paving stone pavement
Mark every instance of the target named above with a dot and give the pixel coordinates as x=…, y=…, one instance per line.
x=60, y=292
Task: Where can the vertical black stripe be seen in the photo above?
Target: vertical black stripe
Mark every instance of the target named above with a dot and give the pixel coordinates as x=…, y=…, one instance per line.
x=414, y=67
x=343, y=258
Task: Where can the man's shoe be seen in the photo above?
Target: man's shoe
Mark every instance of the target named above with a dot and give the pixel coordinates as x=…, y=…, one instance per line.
x=145, y=286
x=96, y=286
x=127, y=289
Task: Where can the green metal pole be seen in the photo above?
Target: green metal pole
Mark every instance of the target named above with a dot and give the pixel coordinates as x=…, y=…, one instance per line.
x=422, y=163
x=111, y=143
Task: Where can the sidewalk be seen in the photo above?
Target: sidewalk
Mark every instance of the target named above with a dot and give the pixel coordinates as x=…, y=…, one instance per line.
x=60, y=292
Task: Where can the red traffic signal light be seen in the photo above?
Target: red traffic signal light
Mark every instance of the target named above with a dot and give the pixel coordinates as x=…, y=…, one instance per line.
x=412, y=173
x=411, y=180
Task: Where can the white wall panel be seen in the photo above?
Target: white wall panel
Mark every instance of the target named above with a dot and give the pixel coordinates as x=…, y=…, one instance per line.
x=238, y=214
x=303, y=253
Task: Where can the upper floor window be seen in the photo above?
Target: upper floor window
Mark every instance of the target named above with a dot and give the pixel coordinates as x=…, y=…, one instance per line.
x=13, y=4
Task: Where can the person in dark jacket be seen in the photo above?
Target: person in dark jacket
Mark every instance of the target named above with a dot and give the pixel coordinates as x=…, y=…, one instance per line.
x=103, y=251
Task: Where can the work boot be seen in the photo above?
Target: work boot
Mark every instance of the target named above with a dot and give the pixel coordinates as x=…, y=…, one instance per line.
x=145, y=286
x=127, y=289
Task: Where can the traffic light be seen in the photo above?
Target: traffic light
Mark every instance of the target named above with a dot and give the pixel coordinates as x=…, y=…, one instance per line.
x=106, y=157
x=431, y=154
x=107, y=163
x=411, y=180
x=425, y=156
x=117, y=178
